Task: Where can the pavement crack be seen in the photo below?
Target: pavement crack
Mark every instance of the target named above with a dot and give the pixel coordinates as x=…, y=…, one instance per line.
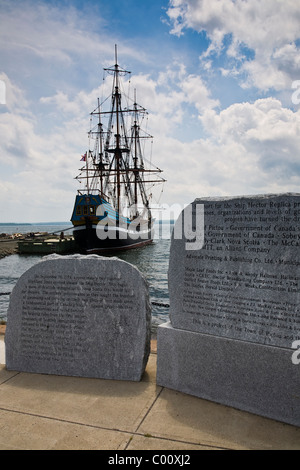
x=149, y=409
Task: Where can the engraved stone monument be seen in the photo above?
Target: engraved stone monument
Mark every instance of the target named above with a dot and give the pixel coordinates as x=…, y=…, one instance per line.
x=86, y=316
x=235, y=305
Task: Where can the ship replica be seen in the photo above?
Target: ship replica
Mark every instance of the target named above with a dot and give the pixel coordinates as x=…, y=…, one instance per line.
x=112, y=211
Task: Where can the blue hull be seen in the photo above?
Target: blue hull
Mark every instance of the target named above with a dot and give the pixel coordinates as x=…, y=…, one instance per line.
x=88, y=240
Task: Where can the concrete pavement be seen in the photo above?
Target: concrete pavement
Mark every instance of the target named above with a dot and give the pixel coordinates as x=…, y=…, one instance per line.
x=47, y=412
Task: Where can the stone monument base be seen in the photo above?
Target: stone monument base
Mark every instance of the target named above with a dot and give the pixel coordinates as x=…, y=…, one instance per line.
x=248, y=376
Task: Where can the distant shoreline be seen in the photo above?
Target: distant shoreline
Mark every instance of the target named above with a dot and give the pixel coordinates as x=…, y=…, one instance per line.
x=35, y=223
x=13, y=223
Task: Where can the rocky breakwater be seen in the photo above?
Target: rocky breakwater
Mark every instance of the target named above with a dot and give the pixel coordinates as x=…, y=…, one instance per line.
x=8, y=245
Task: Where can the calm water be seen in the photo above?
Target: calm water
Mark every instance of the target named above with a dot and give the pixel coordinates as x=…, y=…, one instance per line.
x=151, y=260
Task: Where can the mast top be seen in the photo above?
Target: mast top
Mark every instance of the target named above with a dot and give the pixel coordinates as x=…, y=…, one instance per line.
x=116, y=55
x=116, y=69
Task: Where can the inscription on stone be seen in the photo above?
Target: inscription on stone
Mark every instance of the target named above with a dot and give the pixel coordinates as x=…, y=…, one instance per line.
x=245, y=281
x=75, y=315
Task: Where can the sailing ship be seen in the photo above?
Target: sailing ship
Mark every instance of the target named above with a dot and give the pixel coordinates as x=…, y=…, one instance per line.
x=112, y=211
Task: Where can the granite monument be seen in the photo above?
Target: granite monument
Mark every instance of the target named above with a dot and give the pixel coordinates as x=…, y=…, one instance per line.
x=86, y=316
x=235, y=305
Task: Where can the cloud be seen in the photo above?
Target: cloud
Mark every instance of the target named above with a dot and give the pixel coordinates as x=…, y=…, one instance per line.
x=49, y=32
x=249, y=149
x=245, y=148
x=173, y=99
x=197, y=93
x=36, y=166
x=254, y=146
x=15, y=99
x=57, y=45
x=16, y=125
x=270, y=29
x=204, y=149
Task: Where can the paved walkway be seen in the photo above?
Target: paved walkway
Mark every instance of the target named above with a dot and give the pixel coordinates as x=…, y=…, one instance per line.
x=40, y=412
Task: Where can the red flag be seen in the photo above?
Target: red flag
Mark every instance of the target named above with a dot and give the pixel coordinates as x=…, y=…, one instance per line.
x=83, y=158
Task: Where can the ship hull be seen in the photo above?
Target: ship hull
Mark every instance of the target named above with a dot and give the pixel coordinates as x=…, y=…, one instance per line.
x=93, y=239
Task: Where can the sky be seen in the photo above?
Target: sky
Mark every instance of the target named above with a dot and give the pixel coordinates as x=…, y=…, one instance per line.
x=220, y=80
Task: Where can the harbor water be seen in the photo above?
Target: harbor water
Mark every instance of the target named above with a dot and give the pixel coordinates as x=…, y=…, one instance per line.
x=151, y=260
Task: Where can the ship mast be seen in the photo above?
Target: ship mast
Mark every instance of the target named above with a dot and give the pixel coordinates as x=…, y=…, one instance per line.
x=118, y=150
x=135, y=157
x=116, y=167
x=100, y=150
x=118, y=153
x=138, y=164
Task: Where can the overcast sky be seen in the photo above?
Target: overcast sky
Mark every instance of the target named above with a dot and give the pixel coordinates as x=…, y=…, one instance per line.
x=219, y=78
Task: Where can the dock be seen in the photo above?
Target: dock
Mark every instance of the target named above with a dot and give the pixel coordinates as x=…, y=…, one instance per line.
x=47, y=246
